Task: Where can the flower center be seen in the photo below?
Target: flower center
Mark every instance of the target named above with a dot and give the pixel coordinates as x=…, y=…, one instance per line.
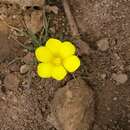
x=56, y=61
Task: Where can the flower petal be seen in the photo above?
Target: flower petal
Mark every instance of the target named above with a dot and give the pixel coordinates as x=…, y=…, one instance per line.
x=59, y=73
x=43, y=54
x=44, y=70
x=53, y=45
x=67, y=49
x=71, y=63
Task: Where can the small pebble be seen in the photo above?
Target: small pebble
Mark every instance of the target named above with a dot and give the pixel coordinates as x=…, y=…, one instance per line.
x=103, y=76
x=28, y=58
x=26, y=84
x=24, y=69
x=108, y=108
x=115, y=99
x=103, y=44
x=53, y=30
x=120, y=78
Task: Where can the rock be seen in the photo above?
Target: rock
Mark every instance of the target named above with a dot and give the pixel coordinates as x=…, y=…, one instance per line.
x=73, y=107
x=84, y=49
x=14, y=67
x=28, y=58
x=120, y=78
x=11, y=81
x=35, y=22
x=103, y=44
x=24, y=69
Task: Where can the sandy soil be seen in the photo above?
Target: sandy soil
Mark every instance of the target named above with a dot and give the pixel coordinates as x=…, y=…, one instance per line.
x=25, y=99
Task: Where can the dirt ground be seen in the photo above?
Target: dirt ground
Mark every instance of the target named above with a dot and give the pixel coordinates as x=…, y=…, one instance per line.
x=25, y=99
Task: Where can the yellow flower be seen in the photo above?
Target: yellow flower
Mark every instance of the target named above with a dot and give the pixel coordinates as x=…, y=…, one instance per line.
x=56, y=59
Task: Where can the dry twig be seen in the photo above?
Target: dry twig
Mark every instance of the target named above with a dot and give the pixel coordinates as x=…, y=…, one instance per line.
x=83, y=46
